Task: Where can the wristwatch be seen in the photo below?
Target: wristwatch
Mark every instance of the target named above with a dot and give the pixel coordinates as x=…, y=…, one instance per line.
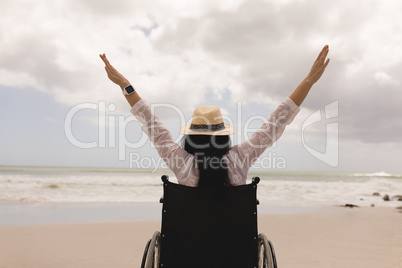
x=128, y=90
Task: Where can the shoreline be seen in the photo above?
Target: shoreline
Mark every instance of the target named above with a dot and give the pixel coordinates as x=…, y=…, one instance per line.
x=340, y=237
x=55, y=185
x=19, y=213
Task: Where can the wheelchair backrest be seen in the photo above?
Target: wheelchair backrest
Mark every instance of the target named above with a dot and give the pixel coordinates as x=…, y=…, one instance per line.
x=209, y=227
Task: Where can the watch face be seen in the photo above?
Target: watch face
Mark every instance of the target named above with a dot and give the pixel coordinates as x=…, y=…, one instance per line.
x=129, y=89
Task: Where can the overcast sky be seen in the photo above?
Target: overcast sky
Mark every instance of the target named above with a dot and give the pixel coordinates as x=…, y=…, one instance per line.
x=244, y=56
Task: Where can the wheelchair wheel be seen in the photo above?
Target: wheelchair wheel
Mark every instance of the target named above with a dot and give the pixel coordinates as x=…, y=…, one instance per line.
x=150, y=259
x=144, y=256
x=266, y=253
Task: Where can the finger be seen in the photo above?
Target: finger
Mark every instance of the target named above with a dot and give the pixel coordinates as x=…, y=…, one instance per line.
x=323, y=53
x=326, y=50
x=322, y=69
x=326, y=63
x=322, y=59
x=107, y=62
x=105, y=59
x=109, y=70
x=114, y=69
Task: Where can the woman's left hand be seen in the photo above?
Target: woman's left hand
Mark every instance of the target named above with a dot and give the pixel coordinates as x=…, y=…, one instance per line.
x=113, y=74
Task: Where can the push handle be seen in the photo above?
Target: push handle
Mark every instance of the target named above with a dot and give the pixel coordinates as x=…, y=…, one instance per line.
x=255, y=180
x=165, y=178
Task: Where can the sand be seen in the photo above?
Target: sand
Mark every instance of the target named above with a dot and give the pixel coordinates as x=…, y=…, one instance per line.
x=340, y=237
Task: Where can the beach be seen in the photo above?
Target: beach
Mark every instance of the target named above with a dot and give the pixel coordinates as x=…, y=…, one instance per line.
x=337, y=237
x=74, y=217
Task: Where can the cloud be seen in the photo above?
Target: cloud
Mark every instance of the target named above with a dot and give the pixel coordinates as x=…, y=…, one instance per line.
x=184, y=51
x=274, y=46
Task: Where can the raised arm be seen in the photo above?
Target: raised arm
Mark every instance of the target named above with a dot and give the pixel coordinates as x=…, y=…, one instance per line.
x=272, y=129
x=120, y=80
x=316, y=71
x=269, y=132
x=171, y=153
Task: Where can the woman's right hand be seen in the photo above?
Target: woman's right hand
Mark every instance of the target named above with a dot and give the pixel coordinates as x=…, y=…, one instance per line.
x=113, y=74
x=319, y=66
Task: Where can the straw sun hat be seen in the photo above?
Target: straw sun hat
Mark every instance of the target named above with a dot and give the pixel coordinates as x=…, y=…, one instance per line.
x=207, y=120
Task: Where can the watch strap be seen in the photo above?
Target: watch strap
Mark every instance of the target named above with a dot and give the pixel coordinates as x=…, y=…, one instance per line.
x=128, y=90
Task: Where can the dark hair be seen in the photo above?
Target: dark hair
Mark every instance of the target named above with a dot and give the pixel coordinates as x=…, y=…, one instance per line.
x=208, y=151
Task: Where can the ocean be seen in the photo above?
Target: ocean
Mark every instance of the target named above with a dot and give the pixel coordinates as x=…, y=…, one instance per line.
x=92, y=185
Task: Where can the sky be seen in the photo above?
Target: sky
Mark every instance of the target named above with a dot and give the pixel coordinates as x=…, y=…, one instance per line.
x=58, y=107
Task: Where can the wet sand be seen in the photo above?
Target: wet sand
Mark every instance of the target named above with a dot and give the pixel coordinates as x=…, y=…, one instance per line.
x=339, y=237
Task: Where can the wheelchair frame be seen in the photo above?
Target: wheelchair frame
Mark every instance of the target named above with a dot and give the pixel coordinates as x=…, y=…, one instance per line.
x=264, y=255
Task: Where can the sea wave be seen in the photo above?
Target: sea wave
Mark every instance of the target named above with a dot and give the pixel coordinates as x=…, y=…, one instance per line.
x=380, y=174
x=285, y=189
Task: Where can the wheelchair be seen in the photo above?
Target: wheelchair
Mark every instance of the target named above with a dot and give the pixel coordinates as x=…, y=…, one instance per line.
x=209, y=228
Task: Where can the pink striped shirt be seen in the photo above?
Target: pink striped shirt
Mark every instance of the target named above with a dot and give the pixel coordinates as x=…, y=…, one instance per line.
x=240, y=158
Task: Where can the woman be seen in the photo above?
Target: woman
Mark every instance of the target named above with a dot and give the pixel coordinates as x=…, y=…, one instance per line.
x=206, y=158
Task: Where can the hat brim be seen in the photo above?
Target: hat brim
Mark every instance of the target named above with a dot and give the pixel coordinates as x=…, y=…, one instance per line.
x=227, y=131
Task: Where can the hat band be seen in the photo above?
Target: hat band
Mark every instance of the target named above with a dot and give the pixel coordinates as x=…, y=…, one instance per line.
x=207, y=128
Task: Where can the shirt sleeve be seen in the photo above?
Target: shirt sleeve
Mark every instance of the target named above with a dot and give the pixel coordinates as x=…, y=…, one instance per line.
x=269, y=132
x=171, y=153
